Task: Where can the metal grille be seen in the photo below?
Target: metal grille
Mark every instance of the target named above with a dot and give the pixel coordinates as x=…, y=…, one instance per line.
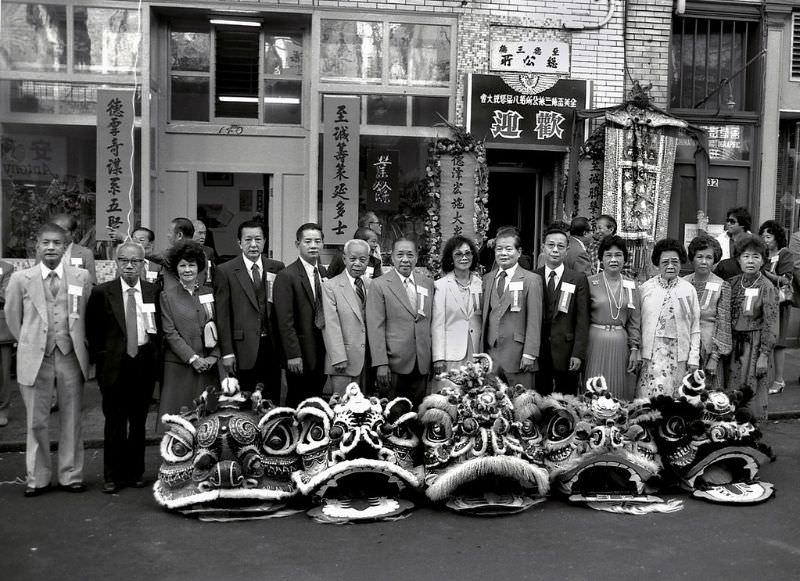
x=796, y=46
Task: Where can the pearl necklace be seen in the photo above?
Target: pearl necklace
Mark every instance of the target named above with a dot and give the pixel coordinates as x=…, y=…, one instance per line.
x=612, y=300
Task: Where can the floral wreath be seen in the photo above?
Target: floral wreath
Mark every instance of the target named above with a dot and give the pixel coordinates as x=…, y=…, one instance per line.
x=462, y=143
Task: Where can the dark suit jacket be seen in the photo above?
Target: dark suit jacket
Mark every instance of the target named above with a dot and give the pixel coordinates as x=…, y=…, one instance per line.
x=106, y=331
x=566, y=334
x=294, y=309
x=238, y=319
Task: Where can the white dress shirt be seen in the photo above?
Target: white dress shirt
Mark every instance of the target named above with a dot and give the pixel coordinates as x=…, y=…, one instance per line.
x=559, y=273
x=310, y=274
x=248, y=264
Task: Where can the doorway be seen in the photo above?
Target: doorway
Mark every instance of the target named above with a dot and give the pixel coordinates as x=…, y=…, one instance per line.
x=515, y=199
x=225, y=200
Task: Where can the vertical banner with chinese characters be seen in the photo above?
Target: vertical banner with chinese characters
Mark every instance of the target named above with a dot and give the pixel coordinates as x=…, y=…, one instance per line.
x=382, y=170
x=340, y=168
x=457, y=202
x=114, y=172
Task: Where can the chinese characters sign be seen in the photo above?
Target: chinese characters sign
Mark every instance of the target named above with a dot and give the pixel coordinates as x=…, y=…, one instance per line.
x=382, y=170
x=726, y=142
x=505, y=112
x=34, y=157
x=538, y=57
x=457, y=202
x=340, y=168
x=114, y=171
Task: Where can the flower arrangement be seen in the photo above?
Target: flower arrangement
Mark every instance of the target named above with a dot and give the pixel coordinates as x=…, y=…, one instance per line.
x=462, y=143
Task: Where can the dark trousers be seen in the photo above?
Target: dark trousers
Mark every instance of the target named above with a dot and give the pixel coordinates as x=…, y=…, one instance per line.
x=549, y=379
x=301, y=386
x=411, y=385
x=266, y=371
x=125, y=406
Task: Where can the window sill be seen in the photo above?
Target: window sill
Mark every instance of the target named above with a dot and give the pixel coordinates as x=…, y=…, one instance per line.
x=235, y=130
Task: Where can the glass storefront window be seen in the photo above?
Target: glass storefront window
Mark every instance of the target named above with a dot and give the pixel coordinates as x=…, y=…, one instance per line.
x=56, y=98
x=282, y=101
x=283, y=55
x=419, y=55
x=725, y=142
x=351, y=51
x=386, y=110
x=190, y=51
x=33, y=37
x=106, y=40
x=189, y=98
x=428, y=111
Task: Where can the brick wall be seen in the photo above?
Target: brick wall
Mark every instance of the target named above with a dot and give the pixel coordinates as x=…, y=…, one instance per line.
x=647, y=38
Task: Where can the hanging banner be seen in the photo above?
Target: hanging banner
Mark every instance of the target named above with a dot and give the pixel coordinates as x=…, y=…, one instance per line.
x=340, y=150
x=382, y=170
x=114, y=173
x=457, y=187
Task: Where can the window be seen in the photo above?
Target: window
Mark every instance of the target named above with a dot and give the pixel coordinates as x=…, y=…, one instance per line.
x=711, y=66
x=246, y=73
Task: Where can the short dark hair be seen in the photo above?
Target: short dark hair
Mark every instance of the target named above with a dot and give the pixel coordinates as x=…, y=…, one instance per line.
x=509, y=232
x=610, y=219
x=250, y=224
x=579, y=226
x=666, y=245
x=363, y=233
x=751, y=242
x=187, y=250
x=50, y=228
x=555, y=230
x=402, y=239
x=151, y=236
x=742, y=216
x=774, y=227
x=559, y=225
x=609, y=242
x=448, y=264
x=308, y=226
x=704, y=242
x=184, y=226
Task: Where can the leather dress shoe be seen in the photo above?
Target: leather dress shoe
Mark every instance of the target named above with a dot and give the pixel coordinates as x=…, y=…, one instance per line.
x=32, y=491
x=74, y=487
x=138, y=483
x=111, y=488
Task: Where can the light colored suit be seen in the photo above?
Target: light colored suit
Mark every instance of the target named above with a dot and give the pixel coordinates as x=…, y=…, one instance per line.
x=39, y=373
x=518, y=331
x=578, y=257
x=79, y=256
x=457, y=319
x=345, y=332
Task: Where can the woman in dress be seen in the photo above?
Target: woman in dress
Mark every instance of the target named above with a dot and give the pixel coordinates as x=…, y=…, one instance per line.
x=670, y=324
x=715, y=308
x=614, y=332
x=779, y=269
x=456, y=317
x=754, y=318
x=187, y=316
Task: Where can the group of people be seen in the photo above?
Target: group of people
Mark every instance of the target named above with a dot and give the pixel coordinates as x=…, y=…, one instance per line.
x=167, y=320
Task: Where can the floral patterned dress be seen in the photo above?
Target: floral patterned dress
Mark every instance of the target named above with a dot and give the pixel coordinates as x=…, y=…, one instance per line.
x=754, y=318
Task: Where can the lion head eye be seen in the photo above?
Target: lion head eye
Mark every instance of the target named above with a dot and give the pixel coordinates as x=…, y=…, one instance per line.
x=280, y=437
x=561, y=426
x=435, y=433
x=175, y=449
x=673, y=428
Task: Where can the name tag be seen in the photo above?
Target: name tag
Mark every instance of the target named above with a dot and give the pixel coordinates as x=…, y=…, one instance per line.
x=1, y=271
x=208, y=298
x=270, y=281
x=422, y=292
x=629, y=286
x=708, y=293
x=567, y=290
x=370, y=271
x=515, y=287
x=750, y=295
x=75, y=289
x=150, y=275
x=148, y=307
x=149, y=316
x=76, y=262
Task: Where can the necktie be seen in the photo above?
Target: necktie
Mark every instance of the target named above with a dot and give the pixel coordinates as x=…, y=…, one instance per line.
x=131, y=330
x=53, y=283
x=360, y=291
x=257, y=282
x=319, y=315
x=412, y=293
x=551, y=282
x=501, y=283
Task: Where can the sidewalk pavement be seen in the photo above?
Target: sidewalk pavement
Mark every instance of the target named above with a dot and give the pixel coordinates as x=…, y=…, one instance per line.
x=782, y=406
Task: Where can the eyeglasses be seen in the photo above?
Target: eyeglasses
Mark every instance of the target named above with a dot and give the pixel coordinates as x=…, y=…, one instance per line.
x=467, y=254
x=131, y=261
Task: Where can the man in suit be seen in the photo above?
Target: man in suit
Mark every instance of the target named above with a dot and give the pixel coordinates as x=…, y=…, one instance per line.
x=580, y=236
x=565, y=329
x=300, y=314
x=6, y=346
x=399, y=326
x=512, y=313
x=146, y=237
x=45, y=310
x=199, y=236
x=179, y=229
x=245, y=314
x=75, y=254
x=123, y=320
x=344, y=299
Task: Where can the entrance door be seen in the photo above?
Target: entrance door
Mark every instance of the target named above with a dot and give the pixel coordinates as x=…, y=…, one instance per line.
x=515, y=199
x=727, y=188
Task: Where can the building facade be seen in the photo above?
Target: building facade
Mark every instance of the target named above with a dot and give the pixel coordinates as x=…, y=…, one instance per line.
x=229, y=98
